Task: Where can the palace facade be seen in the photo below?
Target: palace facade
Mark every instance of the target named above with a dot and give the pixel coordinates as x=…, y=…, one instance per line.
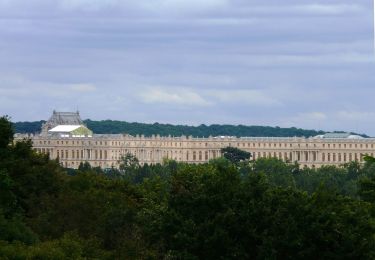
x=65, y=137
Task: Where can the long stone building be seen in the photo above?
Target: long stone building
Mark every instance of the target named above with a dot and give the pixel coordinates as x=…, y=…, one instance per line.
x=64, y=136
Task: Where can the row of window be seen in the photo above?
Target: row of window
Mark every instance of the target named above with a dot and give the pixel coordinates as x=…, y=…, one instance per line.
x=82, y=154
x=195, y=155
x=195, y=144
x=76, y=164
x=313, y=156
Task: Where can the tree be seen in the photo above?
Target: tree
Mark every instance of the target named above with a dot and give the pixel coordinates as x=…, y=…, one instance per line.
x=84, y=166
x=235, y=155
x=6, y=132
x=369, y=159
x=128, y=162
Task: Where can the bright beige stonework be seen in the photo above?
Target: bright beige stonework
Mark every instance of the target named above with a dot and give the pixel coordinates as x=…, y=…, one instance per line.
x=106, y=150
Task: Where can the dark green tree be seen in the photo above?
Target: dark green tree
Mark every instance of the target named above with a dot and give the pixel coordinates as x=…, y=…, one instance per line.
x=128, y=162
x=6, y=132
x=235, y=155
x=84, y=167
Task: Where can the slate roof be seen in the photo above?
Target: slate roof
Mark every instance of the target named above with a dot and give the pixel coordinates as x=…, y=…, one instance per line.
x=65, y=118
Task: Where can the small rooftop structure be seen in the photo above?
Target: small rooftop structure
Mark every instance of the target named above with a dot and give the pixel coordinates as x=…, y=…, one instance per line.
x=61, y=118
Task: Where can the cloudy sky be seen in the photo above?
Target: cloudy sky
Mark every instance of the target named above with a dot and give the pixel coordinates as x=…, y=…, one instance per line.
x=304, y=63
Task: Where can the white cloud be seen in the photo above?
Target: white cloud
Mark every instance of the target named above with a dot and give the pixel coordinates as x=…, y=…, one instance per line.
x=356, y=115
x=176, y=96
x=16, y=86
x=314, y=116
x=304, y=59
x=328, y=9
x=88, y=5
x=313, y=120
x=182, y=4
x=82, y=87
x=151, y=6
x=304, y=9
x=248, y=97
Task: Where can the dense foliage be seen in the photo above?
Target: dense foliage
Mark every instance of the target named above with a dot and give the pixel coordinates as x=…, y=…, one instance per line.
x=28, y=127
x=117, y=127
x=235, y=155
x=263, y=209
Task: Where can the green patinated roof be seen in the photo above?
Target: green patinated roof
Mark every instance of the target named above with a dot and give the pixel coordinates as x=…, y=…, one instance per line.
x=82, y=130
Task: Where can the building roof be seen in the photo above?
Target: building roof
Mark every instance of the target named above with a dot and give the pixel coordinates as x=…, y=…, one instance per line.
x=339, y=136
x=65, y=118
x=64, y=128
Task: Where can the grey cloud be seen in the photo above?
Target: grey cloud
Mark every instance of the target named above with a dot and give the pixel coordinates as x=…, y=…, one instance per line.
x=217, y=61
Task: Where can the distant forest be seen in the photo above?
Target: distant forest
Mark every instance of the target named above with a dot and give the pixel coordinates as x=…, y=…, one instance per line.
x=117, y=127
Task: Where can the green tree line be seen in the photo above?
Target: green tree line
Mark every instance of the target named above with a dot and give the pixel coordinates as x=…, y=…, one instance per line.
x=229, y=208
x=118, y=127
